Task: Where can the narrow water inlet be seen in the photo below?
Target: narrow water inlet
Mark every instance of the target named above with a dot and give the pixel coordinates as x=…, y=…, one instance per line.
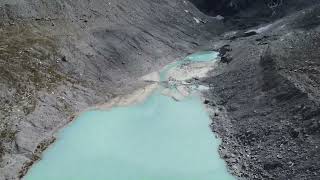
x=159, y=139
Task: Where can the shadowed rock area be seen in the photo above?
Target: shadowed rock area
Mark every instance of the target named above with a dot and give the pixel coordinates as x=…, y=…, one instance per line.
x=249, y=13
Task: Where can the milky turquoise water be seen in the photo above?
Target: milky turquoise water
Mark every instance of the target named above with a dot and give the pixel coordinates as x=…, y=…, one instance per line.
x=204, y=56
x=159, y=139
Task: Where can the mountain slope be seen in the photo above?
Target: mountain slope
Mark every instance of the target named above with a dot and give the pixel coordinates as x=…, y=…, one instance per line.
x=60, y=57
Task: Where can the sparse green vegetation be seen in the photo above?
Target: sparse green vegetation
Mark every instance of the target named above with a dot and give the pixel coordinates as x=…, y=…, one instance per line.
x=28, y=58
x=6, y=135
x=28, y=64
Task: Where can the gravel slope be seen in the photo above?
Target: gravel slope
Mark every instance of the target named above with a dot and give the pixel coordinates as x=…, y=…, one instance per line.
x=265, y=101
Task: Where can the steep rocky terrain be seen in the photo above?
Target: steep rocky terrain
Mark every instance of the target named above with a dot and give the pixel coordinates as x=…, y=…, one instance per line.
x=265, y=99
x=242, y=14
x=58, y=58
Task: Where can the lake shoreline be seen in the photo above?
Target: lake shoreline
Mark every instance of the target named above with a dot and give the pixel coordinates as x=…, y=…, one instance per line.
x=136, y=97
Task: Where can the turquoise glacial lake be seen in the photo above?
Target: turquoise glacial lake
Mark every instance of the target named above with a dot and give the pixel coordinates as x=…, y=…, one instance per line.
x=159, y=139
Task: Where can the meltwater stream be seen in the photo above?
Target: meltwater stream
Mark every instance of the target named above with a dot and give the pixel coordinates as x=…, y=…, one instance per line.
x=159, y=139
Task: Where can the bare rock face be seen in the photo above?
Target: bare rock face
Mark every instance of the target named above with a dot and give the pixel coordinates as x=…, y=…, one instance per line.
x=242, y=14
x=233, y=7
x=222, y=7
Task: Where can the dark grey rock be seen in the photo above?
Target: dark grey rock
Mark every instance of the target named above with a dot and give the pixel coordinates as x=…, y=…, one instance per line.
x=272, y=116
